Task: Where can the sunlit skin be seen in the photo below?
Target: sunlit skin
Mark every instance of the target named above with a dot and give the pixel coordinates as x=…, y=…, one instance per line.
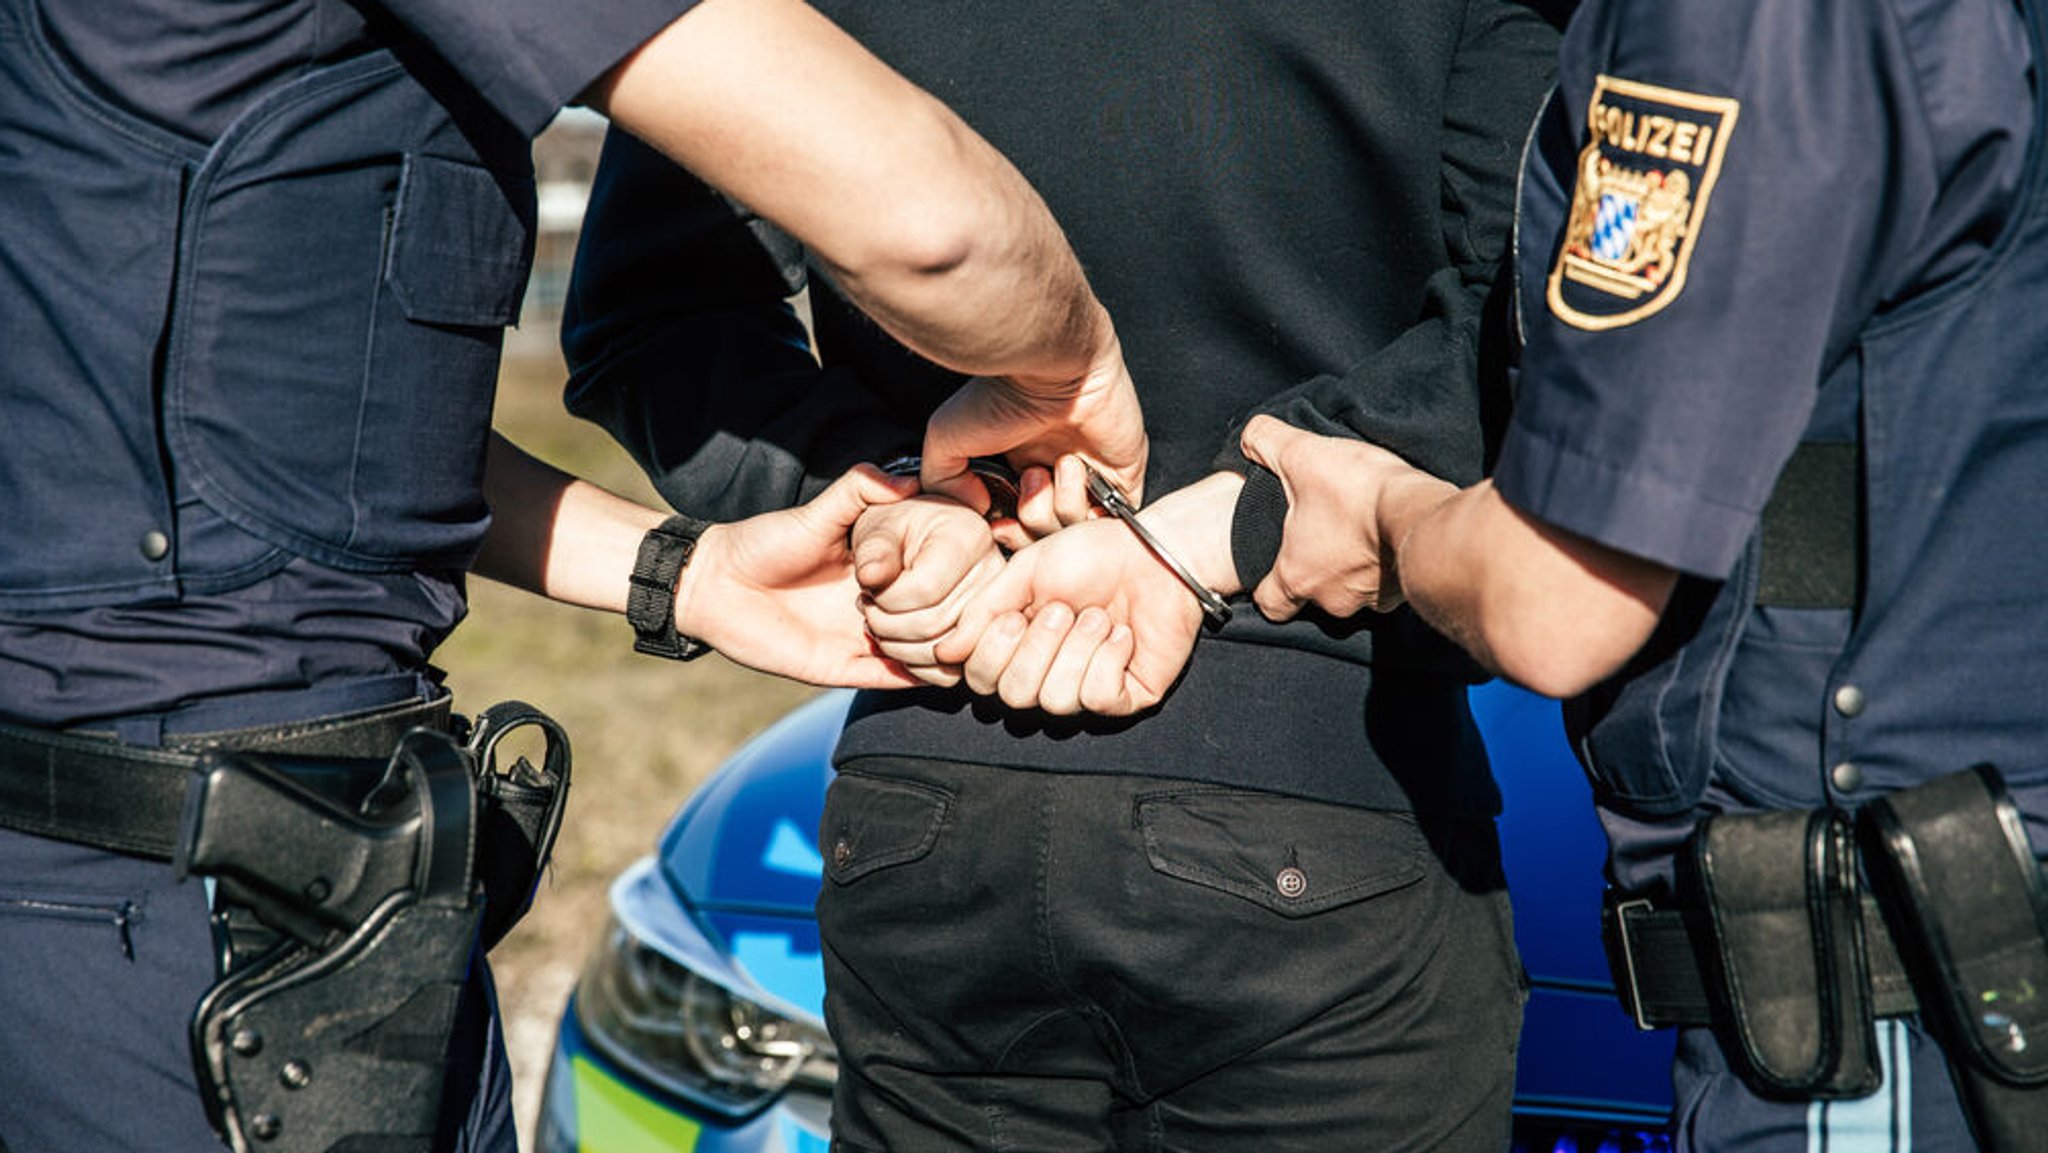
x=1080, y=625
x=931, y=232
x=1082, y=618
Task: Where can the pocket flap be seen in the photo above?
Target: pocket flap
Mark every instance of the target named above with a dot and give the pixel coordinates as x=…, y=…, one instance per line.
x=461, y=243
x=1293, y=857
x=871, y=823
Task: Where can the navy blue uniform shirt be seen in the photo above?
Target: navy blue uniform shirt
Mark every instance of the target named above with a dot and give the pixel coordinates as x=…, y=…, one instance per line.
x=192, y=67
x=282, y=636
x=1725, y=209
x=1838, y=159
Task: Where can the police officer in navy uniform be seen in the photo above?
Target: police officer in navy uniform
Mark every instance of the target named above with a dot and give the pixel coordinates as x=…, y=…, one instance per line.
x=256, y=259
x=1769, y=513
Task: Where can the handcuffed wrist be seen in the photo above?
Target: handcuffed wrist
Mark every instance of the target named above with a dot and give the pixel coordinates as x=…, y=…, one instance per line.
x=1215, y=610
x=995, y=473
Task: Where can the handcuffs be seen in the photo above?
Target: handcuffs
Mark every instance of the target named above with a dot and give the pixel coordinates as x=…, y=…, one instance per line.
x=995, y=474
x=1215, y=609
x=1001, y=481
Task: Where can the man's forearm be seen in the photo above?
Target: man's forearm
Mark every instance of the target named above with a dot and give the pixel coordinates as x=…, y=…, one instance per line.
x=1549, y=610
x=775, y=592
x=921, y=221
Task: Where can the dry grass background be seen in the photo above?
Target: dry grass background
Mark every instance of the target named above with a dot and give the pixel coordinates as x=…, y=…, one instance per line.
x=644, y=732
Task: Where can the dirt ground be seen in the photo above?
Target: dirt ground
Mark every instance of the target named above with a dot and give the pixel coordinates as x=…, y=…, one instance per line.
x=644, y=731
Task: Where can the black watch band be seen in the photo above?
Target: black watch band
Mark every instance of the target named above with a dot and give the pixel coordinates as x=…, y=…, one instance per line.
x=651, y=598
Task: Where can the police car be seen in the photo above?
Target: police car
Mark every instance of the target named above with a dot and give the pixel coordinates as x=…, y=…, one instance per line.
x=697, y=1025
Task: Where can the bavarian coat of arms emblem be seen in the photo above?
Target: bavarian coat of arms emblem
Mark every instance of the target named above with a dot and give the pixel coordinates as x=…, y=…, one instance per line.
x=1644, y=179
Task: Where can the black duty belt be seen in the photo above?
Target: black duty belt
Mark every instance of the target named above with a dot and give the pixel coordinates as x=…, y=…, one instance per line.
x=1657, y=973
x=1794, y=963
x=96, y=791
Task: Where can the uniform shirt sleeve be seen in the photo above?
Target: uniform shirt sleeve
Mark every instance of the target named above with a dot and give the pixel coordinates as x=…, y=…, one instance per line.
x=1714, y=201
x=529, y=58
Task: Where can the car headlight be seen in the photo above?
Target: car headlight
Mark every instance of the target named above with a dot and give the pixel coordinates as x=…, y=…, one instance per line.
x=692, y=1036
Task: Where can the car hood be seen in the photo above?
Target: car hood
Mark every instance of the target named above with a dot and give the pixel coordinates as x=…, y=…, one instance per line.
x=747, y=840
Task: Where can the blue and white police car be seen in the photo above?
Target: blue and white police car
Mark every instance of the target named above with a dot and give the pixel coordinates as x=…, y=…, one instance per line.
x=697, y=1026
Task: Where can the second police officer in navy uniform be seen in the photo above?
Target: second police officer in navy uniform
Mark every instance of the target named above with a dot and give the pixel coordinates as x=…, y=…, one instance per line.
x=1772, y=513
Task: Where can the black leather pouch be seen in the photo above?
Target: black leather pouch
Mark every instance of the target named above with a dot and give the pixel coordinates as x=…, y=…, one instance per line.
x=1965, y=900
x=1788, y=974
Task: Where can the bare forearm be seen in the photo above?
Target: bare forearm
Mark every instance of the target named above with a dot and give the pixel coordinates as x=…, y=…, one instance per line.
x=775, y=592
x=923, y=223
x=1546, y=609
x=558, y=536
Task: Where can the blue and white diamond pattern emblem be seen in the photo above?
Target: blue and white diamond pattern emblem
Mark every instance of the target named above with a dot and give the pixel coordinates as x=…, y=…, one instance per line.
x=1614, y=226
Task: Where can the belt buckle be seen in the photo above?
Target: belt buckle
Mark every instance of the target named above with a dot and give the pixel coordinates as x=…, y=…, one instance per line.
x=1626, y=984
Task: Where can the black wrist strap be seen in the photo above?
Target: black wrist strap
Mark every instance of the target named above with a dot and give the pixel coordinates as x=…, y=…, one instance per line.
x=651, y=599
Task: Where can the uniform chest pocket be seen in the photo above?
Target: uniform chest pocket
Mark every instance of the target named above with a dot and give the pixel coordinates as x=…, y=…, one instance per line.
x=1293, y=857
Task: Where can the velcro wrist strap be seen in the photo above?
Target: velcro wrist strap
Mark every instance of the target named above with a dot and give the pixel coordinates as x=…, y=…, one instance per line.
x=651, y=597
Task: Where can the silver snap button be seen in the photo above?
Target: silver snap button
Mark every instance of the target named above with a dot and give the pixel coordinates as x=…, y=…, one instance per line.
x=1849, y=700
x=842, y=851
x=1846, y=776
x=1291, y=882
x=155, y=545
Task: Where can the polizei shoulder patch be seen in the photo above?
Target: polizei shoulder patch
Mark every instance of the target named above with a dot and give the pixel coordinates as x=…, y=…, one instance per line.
x=1652, y=156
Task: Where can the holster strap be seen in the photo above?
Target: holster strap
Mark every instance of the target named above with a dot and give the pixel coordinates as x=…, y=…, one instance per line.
x=95, y=791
